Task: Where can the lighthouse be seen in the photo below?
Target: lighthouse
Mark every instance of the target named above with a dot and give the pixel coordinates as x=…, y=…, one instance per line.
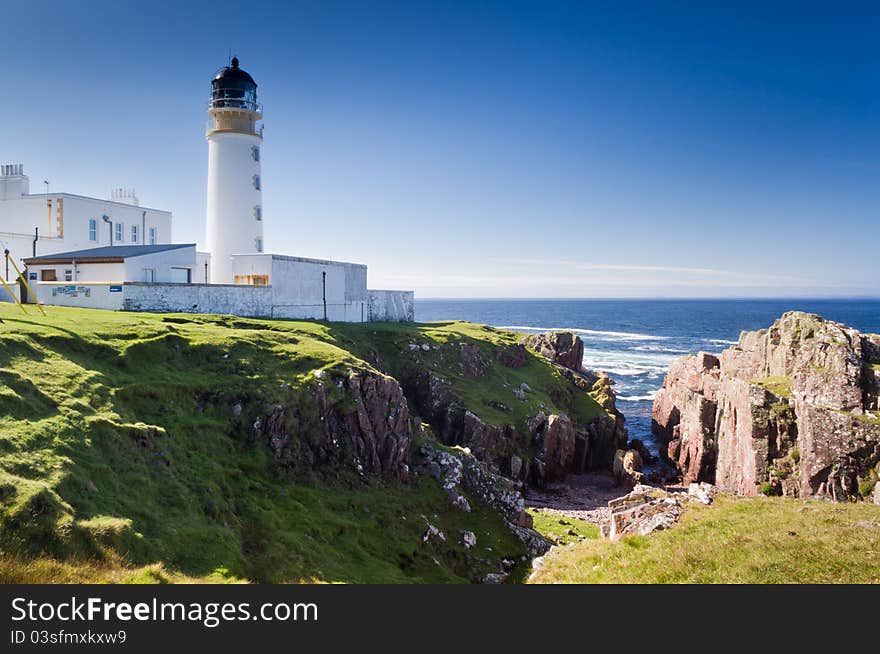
x=234, y=209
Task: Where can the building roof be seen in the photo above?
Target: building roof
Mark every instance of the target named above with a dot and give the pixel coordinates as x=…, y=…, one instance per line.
x=106, y=254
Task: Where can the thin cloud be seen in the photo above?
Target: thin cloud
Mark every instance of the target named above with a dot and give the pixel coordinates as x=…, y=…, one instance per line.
x=686, y=270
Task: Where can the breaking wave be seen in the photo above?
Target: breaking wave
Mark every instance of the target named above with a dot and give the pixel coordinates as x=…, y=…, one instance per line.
x=594, y=333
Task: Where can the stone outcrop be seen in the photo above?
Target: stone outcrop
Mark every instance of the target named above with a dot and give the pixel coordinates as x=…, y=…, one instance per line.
x=461, y=472
x=790, y=410
x=550, y=445
x=646, y=509
x=563, y=348
x=361, y=420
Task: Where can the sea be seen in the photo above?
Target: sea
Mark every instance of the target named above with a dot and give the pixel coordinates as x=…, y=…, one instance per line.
x=634, y=341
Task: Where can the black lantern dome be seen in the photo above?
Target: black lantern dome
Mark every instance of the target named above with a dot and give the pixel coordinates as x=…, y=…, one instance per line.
x=234, y=88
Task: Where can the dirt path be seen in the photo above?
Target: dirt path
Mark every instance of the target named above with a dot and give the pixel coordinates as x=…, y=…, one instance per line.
x=583, y=496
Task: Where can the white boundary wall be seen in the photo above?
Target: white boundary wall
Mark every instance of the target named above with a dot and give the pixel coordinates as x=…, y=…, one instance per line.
x=237, y=300
x=391, y=306
x=93, y=295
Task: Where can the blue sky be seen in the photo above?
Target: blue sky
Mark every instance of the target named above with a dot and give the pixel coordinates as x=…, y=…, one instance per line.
x=481, y=149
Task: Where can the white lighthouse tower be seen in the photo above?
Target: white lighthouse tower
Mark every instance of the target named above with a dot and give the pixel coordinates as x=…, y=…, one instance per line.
x=235, y=196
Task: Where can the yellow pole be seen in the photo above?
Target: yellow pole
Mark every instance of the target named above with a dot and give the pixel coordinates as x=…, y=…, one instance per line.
x=26, y=285
x=12, y=295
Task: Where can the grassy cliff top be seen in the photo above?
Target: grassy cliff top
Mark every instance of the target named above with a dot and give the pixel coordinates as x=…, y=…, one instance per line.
x=122, y=458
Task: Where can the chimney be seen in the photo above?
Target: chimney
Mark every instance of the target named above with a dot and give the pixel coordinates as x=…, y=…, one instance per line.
x=13, y=182
x=124, y=196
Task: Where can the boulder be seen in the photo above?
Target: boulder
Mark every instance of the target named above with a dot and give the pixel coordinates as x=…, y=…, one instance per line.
x=627, y=468
x=563, y=348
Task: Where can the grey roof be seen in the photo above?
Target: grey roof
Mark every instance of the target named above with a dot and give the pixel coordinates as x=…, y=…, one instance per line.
x=110, y=252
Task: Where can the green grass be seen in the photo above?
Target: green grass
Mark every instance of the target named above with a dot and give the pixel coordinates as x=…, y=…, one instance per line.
x=736, y=540
x=121, y=459
x=779, y=386
x=387, y=346
x=562, y=530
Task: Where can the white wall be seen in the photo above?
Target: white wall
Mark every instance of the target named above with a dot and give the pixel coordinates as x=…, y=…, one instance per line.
x=391, y=306
x=238, y=300
x=20, y=216
x=202, y=273
x=92, y=296
x=299, y=290
x=249, y=301
x=162, y=263
x=132, y=270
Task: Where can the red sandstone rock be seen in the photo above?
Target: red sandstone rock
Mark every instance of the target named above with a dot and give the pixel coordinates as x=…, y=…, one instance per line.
x=790, y=409
x=564, y=348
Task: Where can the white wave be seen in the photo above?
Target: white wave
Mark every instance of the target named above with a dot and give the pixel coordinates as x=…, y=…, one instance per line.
x=722, y=341
x=637, y=398
x=601, y=335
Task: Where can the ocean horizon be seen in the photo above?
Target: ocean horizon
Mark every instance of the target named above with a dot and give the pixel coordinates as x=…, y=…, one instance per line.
x=635, y=340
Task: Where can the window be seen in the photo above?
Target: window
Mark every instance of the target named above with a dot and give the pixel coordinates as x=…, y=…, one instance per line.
x=255, y=152
x=118, y=232
x=93, y=229
x=48, y=275
x=257, y=182
x=251, y=280
x=258, y=212
x=134, y=233
x=259, y=243
x=68, y=275
x=149, y=275
x=153, y=236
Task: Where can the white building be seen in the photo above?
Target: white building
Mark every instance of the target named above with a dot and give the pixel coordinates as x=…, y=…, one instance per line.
x=96, y=277
x=91, y=252
x=45, y=223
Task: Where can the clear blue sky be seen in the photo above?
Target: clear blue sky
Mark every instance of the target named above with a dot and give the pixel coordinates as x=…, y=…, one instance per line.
x=481, y=149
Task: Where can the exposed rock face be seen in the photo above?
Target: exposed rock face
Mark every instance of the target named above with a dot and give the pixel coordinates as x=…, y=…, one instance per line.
x=463, y=471
x=550, y=445
x=564, y=348
x=368, y=427
x=627, y=467
x=555, y=438
x=790, y=410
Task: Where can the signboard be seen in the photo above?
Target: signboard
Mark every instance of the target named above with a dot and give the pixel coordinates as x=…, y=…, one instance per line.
x=32, y=276
x=72, y=291
x=116, y=289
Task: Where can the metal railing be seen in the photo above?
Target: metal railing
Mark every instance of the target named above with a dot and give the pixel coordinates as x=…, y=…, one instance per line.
x=235, y=103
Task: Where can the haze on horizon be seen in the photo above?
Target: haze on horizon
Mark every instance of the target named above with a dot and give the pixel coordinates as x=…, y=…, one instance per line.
x=497, y=149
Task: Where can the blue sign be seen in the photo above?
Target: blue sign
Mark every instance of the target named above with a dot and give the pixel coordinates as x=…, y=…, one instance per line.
x=116, y=289
x=32, y=276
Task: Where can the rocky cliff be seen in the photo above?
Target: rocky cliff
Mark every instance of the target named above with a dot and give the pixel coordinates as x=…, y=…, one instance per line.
x=790, y=410
x=549, y=426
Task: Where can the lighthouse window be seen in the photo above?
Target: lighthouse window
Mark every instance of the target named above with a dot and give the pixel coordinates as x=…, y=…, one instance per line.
x=255, y=152
x=119, y=232
x=93, y=229
x=152, y=236
x=258, y=212
x=257, y=182
x=134, y=233
x=259, y=244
